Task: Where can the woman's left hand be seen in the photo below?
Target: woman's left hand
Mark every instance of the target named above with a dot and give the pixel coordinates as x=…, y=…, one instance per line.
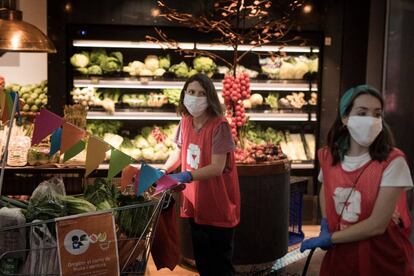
x=182, y=177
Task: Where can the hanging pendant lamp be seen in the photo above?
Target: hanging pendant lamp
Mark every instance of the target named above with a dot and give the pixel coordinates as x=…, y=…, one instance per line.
x=19, y=36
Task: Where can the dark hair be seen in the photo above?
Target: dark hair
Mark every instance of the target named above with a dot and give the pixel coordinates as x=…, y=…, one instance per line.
x=214, y=108
x=379, y=149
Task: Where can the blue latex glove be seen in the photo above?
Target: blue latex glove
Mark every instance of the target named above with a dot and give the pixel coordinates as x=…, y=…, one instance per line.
x=324, y=225
x=324, y=228
x=182, y=177
x=323, y=241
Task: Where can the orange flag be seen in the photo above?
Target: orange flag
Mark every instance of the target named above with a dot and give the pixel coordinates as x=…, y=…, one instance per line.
x=71, y=135
x=95, y=153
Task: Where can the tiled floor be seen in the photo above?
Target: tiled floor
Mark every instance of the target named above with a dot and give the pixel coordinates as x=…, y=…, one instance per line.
x=310, y=231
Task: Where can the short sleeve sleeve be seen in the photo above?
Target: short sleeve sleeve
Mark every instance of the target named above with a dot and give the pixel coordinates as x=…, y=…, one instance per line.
x=397, y=174
x=320, y=176
x=178, y=139
x=222, y=139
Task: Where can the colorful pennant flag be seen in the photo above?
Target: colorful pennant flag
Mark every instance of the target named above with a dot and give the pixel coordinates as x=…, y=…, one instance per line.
x=55, y=141
x=75, y=150
x=71, y=135
x=164, y=183
x=46, y=122
x=148, y=176
x=7, y=106
x=118, y=161
x=129, y=176
x=95, y=153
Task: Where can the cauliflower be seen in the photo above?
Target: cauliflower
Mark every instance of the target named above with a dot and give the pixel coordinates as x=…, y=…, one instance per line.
x=148, y=153
x=159, y=72
x=287, y=70
x=79, y=60
x=152, y=63
x=146, y=72
x=141, y=142
x=134, y=68
x=301, y=68
x=113, y=139
x=204, y=64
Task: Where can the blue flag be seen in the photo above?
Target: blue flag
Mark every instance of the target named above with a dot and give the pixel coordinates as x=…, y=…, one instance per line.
x=55, y=141
x=148, y=176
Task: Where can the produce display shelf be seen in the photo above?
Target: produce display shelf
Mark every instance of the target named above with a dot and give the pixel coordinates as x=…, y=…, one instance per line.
x=145, y=83
x=302, y=166
x=171, y=116
x=189, y=46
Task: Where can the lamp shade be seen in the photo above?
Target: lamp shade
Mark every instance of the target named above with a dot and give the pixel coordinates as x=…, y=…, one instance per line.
x=19, y=36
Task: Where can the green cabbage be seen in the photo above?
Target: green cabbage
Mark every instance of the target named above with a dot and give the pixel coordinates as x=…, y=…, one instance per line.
x=94, y=70
x=79, y=60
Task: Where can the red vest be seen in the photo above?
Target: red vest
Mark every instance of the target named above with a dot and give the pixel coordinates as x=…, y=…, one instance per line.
x=386, y=254
x=214, y=201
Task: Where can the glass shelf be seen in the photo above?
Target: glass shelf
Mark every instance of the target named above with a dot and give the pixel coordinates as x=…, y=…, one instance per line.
x=189, y=46
x=143, y=83
x=171, y=116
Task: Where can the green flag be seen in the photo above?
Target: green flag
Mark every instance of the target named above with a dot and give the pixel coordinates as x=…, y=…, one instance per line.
x=73, y=151
x=118, y=162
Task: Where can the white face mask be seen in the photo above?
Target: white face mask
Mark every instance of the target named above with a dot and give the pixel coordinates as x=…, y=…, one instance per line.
x=364, y=129
x=195, y=105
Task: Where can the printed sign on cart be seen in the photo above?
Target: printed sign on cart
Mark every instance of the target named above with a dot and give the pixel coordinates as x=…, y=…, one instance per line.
x=87, y=245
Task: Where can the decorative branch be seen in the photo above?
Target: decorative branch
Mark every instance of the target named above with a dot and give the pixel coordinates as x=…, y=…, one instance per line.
x=226, y=20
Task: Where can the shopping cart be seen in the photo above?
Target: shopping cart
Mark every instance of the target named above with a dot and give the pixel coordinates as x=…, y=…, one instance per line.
x=36, y=252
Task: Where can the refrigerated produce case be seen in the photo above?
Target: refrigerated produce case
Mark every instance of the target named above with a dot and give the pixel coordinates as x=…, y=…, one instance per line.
x=289, y=107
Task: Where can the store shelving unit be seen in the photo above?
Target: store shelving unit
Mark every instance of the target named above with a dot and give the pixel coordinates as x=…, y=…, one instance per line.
x=306, y=120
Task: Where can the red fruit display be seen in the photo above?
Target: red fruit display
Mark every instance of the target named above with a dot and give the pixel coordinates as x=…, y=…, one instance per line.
x=258, y=153
x=158, y=135
x=235, y=90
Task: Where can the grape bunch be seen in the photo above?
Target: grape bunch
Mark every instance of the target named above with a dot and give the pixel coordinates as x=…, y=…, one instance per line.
x=235, y=90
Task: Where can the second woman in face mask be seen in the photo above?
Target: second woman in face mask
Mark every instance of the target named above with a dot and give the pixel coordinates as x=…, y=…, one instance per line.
x=211, y=199
x=365, y=223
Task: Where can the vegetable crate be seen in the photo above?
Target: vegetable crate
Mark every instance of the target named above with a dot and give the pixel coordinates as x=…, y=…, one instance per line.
x=31, y=249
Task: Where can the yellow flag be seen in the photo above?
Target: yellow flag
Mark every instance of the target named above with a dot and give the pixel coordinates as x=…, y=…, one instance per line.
x=95, y=153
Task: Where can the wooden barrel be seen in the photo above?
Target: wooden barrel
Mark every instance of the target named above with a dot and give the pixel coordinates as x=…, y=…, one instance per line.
x=262, y=235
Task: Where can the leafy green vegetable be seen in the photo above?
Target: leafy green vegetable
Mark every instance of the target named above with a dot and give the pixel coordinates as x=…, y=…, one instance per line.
x=94, y=70
x=102, y=193
x=173, y=95
x=272, y=99
x=204, y=64
x=111, y=64
x=165, y=62
x=97, y=56
x=180, y=70
x=76, y=205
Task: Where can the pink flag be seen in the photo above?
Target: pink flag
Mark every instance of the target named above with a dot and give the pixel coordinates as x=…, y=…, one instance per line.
x=45, y=123
x=165, y=183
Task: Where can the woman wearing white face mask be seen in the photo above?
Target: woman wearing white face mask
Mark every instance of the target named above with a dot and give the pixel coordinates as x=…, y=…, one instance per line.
x=211, y=198
x=365, y=223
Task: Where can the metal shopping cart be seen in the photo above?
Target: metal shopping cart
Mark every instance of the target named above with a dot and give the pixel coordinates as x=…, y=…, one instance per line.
x=36, y=253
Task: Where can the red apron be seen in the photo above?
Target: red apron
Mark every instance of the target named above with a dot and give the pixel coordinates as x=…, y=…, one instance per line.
x=214, y=201
x=386, y=254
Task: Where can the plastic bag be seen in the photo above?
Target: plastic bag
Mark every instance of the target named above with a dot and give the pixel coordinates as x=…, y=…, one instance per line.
x=43, y=257
x=45, y=202
x=11, y=240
